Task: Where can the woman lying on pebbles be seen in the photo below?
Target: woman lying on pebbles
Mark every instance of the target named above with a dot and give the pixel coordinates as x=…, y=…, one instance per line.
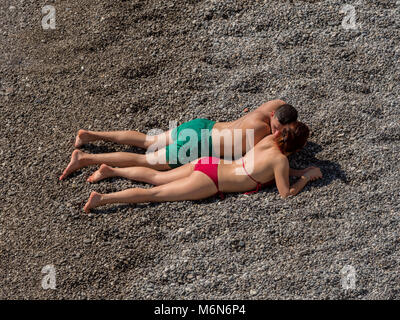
x=208, y=176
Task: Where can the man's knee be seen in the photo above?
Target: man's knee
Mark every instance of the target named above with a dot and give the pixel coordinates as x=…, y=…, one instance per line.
x=155, y=158
x=157, y=141
x=151, y=141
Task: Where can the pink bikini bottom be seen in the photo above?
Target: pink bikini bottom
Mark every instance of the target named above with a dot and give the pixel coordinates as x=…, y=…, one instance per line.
x=209, y=166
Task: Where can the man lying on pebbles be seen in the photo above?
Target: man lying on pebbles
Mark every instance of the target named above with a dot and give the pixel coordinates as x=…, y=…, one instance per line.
x=187, y=142
x=207, y=176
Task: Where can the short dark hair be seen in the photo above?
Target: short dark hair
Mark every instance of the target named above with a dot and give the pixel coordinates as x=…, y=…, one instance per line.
x=286, y=114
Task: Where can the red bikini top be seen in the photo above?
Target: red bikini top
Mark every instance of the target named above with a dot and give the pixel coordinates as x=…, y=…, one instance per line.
x=259, y=184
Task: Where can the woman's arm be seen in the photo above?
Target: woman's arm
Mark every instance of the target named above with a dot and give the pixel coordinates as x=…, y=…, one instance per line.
x=281, y=172
x=296, y=173
x=299, y=173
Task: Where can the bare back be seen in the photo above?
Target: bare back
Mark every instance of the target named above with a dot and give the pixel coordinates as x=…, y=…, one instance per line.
x=225, y=137
x=259, y=163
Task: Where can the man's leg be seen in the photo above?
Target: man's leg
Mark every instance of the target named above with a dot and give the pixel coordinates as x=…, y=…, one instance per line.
x=132, y=138
x=80, y=159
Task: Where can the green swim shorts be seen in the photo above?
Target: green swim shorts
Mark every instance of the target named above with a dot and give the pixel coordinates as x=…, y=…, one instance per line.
x=191, y=140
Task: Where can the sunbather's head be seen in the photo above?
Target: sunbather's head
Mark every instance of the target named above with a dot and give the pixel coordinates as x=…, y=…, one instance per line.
x=281, y=118
x=292, y=137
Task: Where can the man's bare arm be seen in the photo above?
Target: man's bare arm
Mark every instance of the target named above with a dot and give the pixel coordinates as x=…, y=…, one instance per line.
x=267, y=107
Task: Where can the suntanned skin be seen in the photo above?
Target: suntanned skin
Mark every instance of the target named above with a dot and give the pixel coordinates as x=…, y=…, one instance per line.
x=184, y=183
x=261, y=120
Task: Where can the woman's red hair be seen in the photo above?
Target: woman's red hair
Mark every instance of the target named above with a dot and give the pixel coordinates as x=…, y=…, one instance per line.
x=293, y=137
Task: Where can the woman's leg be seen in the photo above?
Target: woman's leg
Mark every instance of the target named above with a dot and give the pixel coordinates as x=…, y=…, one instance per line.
x=196, y=186
x=132, y=138
x=142, y=174
x=80, y=159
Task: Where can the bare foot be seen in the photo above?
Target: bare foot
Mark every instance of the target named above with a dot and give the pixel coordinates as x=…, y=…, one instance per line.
x=104, y=172
x=74, y=164
x=93, y=202
x=82, y=138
